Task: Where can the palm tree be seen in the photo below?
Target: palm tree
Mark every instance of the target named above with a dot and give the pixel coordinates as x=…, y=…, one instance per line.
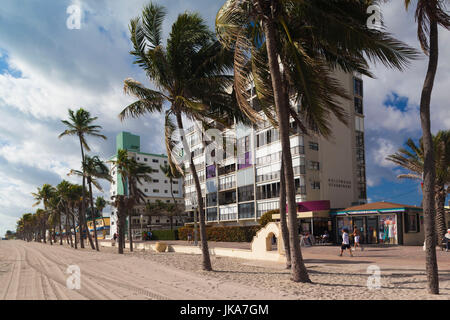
x=412, y=159
x=43, y=196
x=121, y=201
x=93, y=169
x=191, y=76
x=64, y=189
x=80, y=125
x=288, y=49
x=100, y=204
x=171, y=174
x=429, y=14
x=132, y=174
x=75, y=198
x=56, y=206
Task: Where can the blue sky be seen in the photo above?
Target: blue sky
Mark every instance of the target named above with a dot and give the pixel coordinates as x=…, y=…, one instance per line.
x=46, y=68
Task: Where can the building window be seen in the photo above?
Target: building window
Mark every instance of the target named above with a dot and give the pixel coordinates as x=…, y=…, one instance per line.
x=155, y=170
x=358, y=105
x=174, y=182
x=155, y=160
x=412, y=223
x=145, y=159
x=146, y=190
x=175, y=192
x=358, y=87
x=165, y=191
x=314, y=165
x=156, y=190
x=211, y=214
x=210, y=172
x=315, y=185
x=156, y=181
x=246, y=193
x=247, y=210
x=211, y=199
x=313, y=146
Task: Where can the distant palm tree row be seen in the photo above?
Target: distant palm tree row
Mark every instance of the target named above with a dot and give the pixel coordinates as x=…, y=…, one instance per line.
x=67, y=207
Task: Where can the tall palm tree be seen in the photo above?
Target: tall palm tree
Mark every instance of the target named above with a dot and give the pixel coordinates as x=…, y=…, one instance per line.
x=43, y=196
x=121, y=201
x=190, y=74
x=412, y=159
x=93, y=169
x=80, y=124
x=288, y=49
x=429, y=15
x=171, y=174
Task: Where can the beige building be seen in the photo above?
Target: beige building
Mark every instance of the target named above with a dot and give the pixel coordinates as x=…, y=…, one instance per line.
x=329, y=174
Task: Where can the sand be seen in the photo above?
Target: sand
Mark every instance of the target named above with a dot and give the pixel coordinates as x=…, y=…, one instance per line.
x=38, y=271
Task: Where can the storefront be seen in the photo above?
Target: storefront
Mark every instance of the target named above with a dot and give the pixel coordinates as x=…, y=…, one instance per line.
x=313, y=218
x=382, y=223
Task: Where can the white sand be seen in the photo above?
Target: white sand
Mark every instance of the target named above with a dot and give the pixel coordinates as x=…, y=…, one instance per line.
x=37, y=271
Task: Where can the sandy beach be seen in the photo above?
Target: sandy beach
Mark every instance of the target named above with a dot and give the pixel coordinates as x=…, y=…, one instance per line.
x=38, y=271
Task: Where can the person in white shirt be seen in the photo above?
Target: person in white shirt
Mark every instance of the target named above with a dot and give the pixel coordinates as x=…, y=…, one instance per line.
x=345, y=242
x=447, y=240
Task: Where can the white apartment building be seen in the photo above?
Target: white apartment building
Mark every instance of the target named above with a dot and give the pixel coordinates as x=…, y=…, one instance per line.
x=156, y=189
x=328, y=173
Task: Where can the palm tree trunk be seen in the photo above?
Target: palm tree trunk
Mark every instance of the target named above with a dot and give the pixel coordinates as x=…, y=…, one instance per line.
x=93, y=214
x=205, y=251
x=440, y=196
x=283, y=221
x=80, y=227
x=74, y=231
x=83, y=204
x=299, y=272
x=429, y=165
x=174, y=203
x=60, y=230
x=121, y=226
x=130, y=234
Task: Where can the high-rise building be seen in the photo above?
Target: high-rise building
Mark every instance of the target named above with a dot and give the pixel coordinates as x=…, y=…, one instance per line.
x=329, y=173
x=158, y=189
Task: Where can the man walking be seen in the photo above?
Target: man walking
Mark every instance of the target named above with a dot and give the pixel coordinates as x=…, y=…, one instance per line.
x=345, y=242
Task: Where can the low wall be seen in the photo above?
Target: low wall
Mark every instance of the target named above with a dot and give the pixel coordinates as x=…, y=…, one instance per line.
x=223, y=252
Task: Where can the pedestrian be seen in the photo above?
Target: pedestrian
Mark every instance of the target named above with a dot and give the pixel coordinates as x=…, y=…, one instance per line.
x=357, y=237
x=114, y=239
x=345, y=242
x=189, y=237
x=447, y=240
